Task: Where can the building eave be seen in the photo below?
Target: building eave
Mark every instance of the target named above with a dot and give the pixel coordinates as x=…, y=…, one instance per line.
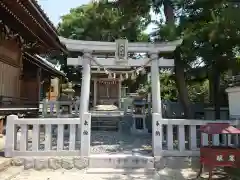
x=27, y=20
x=43, y=63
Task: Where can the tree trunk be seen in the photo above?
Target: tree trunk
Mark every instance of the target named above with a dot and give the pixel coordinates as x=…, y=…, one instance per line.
x=216, y=91
x=181, y=85
x=168, y=11
x=211, y=88
x=179, y=68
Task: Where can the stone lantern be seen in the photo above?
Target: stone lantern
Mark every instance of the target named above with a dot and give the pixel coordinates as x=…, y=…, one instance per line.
x=67, y=89
x=67, y=96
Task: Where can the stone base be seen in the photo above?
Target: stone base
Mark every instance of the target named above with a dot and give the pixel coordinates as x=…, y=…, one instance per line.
x=116, y=161
x=40, y=163
x=176, y=162
x=139, y=131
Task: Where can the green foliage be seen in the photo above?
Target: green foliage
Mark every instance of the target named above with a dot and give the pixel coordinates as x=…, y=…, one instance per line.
x=210, y=32
x=103, y=21
x=168, y=87
x=199, y=92
x=211, y=29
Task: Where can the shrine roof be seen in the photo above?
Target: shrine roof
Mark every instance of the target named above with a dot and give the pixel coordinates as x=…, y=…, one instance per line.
x=45, y=64
x=28, y=20
x=219, y=128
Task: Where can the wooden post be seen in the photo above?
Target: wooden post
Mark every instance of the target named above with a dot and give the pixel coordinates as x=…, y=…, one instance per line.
x=49, y=91
x=95, y=92
x=39, y=84
x=1, y=126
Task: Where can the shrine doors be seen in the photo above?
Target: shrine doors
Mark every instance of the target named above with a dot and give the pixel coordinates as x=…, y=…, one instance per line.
x=107, y=92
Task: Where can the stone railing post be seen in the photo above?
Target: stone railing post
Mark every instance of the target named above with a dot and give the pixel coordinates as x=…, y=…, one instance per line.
x=85, y=134
x=10, y=135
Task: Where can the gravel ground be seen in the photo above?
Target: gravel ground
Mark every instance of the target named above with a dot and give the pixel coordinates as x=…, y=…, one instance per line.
x=114, y=142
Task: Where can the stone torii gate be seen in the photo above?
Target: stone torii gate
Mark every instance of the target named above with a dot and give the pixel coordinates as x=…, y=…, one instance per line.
x=94, y=50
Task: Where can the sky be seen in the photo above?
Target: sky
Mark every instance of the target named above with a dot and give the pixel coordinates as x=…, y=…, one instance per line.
x=55, y=9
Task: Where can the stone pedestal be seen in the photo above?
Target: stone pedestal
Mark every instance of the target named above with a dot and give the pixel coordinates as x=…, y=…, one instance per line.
x=143, y=129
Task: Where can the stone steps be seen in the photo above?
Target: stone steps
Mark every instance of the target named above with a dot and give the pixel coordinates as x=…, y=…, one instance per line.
x=105, y=123
x=120, y=171
x=119, y=161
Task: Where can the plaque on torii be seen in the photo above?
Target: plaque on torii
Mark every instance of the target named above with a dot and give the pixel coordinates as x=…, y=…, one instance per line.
x=121, y=54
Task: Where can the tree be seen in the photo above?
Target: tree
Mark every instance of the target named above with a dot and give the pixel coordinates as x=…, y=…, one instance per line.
x=96, y=22
x=102, y=21
x=168, y=32
x=210, y=32
x=212, y=29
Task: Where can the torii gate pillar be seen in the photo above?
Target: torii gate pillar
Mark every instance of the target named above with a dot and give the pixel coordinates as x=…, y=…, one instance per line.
x=85, y=88
x=155, y=81
x=83, y=130
x=156, y=106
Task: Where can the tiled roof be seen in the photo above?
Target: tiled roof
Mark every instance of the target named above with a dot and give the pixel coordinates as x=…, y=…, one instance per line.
x=44, y=14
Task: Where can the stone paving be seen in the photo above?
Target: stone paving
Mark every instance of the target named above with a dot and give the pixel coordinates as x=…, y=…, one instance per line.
x=114, y=142
x=17, y=173
x=167, y=170
x=82, y=175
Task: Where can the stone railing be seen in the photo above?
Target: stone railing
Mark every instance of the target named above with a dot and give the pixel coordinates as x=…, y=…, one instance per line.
x=57, y=136
x=54, y=108
x=47, y=136
x=180, y=137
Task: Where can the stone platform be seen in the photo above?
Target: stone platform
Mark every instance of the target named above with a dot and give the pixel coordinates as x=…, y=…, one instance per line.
x=120, y=161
